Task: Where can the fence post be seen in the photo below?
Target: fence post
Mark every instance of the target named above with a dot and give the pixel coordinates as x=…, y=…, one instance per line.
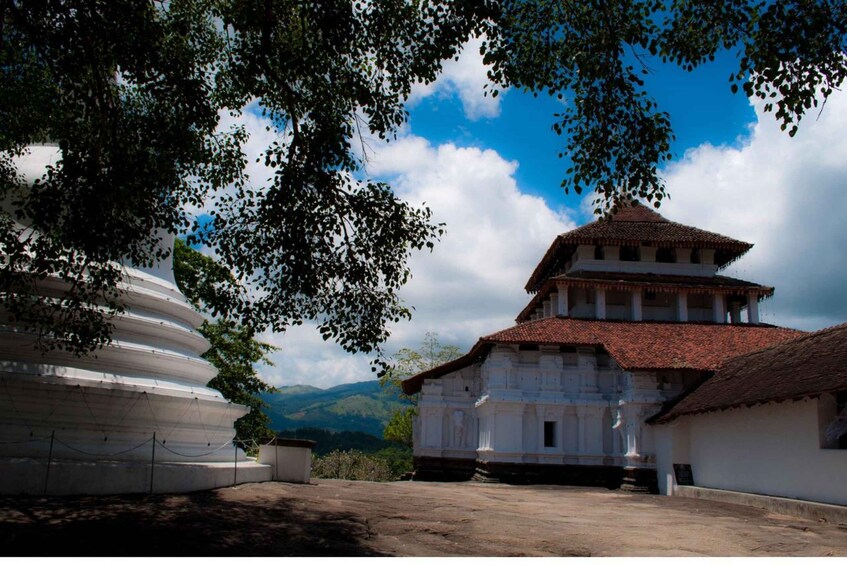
x=276, y=457
x=152, y=462
x=49, y=460
x=235, y=460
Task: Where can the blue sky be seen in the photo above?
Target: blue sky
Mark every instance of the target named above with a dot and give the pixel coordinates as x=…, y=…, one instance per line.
x=701, y=105
x=488, y=168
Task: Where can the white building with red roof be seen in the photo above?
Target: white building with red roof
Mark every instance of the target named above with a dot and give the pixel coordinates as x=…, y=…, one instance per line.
x=626, y=313
x=772, y=422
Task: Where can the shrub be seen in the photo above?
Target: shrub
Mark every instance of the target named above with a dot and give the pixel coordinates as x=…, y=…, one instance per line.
x=352, y=466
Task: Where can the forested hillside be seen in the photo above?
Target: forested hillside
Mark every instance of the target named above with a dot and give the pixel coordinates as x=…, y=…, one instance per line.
x=362, y=406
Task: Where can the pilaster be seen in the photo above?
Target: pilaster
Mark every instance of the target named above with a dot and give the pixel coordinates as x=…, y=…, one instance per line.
x=636, y=305
x=600, y=303
x=752, y=308
x=735, y=312
x=682, y=307
x=562, y=296
x=718, y=309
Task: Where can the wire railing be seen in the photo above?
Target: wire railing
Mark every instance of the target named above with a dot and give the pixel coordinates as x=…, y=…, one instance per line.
x=165, y=432
x=153, y=443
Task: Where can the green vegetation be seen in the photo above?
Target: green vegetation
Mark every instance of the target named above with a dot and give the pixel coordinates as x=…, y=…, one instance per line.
x=354, y=455
x=328, y=441
x=351, y=466
x=233, y=350
x=406, y=363
x=352, y=407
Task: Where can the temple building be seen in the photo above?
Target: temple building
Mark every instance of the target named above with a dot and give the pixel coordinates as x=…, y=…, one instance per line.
x=626, y=313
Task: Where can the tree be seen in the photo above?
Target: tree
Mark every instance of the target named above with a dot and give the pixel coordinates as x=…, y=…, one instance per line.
x=132, y=92
x=596, y=53
x=234, y=351
x=409, y=362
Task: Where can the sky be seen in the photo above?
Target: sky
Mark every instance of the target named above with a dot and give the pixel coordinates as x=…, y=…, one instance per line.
x=488, y=168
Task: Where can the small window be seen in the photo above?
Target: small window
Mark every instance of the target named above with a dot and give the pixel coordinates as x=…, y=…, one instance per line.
x=598, y=253
x=665, y=255
x=695, y=256
x=649, y=295
x=629, y=253
x=549, y=434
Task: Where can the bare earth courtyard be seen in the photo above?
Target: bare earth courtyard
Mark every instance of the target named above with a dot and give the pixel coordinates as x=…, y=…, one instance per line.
x=330, y=518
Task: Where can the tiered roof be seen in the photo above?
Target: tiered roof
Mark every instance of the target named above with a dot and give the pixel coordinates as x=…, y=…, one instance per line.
x=814, y=364
x=633, y=225
x=649, y=281
x=633, y=345
x=641, y=345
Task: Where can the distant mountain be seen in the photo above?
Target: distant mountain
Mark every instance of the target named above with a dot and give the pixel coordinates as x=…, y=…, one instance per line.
x=363, y=407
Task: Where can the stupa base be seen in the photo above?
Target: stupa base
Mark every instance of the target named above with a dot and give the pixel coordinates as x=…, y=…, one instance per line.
x=30, y=476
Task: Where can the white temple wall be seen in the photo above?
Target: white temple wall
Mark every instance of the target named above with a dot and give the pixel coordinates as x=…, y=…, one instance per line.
x=514, y=392
x=584, y=260
x=771, y=449
x=447, y=424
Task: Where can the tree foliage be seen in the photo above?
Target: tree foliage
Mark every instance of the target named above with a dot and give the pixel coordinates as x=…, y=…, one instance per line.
x=407, y=363
x=596, y=54
x=133, y=93
x=234, y=351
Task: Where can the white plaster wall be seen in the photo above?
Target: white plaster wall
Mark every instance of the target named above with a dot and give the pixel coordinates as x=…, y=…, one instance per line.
x=671, y=447
x=771, y=449
x=290, y=464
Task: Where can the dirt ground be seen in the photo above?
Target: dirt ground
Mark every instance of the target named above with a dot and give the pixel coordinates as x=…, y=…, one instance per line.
x=342, y=518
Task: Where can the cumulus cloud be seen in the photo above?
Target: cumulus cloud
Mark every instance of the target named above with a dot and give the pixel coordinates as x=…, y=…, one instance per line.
x=471, y=284
x=466, y=78
x=787, y=197
x=261, y=135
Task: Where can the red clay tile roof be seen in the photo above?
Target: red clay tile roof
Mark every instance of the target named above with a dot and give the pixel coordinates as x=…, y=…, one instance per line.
x=633, y=226
x=655, y=282
x=633, y=345
x=813, y=364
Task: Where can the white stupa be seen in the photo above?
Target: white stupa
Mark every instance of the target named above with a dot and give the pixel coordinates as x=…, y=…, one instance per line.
x=134, y=416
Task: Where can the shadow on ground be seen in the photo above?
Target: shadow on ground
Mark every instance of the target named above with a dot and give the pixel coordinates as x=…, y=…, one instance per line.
x=202, y=524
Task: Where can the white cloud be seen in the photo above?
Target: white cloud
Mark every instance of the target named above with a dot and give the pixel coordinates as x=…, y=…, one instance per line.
x=466, y=78
x=305, y=358
x=788, y=197
x=472, y=283
x=259, y=139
